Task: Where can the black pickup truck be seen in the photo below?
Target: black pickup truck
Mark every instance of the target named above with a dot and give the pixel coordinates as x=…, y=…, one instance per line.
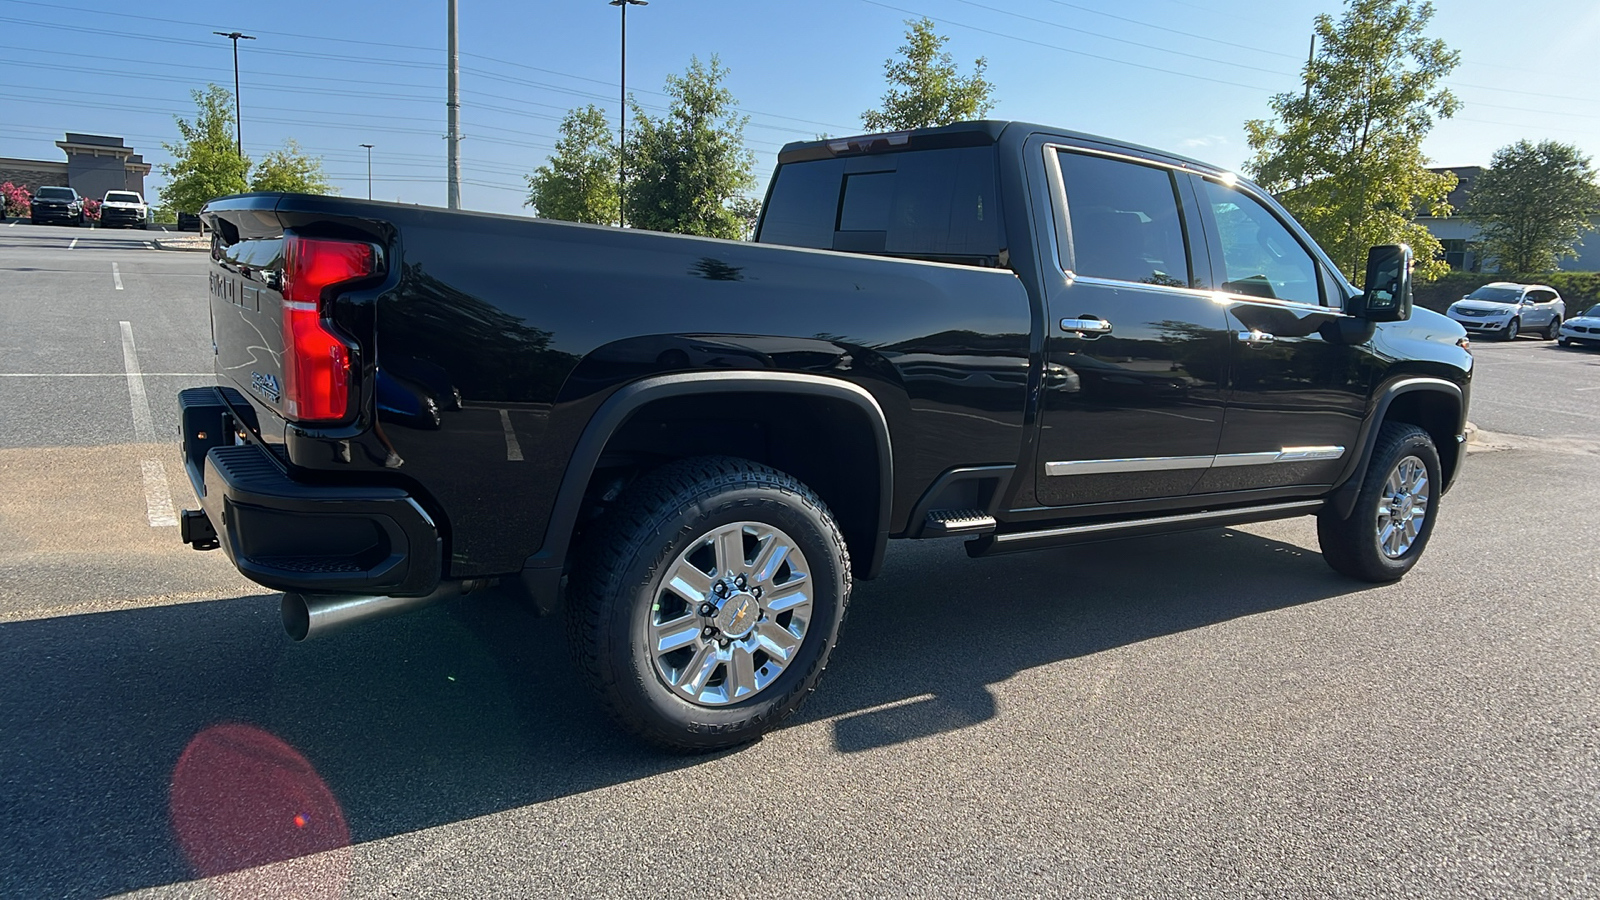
x=1009, y=332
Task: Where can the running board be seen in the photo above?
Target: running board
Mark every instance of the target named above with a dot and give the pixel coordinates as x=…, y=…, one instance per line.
x=1014, y=542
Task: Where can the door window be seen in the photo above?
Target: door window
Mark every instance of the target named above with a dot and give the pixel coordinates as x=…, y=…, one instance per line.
x=1261, y=257
x=1124, y=220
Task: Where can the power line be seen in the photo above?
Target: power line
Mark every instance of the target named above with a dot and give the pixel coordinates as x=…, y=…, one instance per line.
x=1165, y=51
x=1083, y=53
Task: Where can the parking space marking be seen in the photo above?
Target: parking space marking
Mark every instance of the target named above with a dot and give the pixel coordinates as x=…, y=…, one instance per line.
x=13, y=224
x=157, y=495
x=513, y=449
x=116, y=276
x=73, y=245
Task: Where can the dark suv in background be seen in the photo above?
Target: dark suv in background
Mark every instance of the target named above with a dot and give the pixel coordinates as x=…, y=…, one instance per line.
x=56, y=204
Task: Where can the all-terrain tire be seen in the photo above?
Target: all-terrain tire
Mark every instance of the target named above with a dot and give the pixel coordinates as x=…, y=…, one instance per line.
x=619, y=583
x=1353, y=545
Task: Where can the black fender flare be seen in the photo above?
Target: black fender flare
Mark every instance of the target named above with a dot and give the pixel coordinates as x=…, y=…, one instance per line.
x=1343, y=499
x=542, y=572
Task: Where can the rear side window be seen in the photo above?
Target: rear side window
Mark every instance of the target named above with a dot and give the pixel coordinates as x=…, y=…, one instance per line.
x=931, y=204
x=1125, y=222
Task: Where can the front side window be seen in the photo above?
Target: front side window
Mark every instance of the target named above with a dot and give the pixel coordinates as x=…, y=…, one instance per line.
x=1125, y=222
x=1260, y=256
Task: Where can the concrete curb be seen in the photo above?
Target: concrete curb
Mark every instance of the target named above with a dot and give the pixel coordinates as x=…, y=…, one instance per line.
x=176, y=247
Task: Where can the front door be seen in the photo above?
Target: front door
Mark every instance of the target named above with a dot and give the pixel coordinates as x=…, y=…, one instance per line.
x=1296, y=398
x=1137, y=352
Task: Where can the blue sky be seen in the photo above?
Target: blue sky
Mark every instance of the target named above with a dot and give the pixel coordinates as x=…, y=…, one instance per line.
x=1176, y=74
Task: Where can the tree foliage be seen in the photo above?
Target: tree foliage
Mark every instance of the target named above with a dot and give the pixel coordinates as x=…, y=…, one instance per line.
x=925, y=88
x=1346, y=156
x=688, y=170
x=579, y=182
x=206, y=162
x=1533, y=203
x=290, y=170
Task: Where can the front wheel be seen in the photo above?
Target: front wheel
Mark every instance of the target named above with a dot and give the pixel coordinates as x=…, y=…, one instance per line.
x=1565, y=342
x=1553, y=330
x=1513, y=328
x=706, y=603
x=1385, y=533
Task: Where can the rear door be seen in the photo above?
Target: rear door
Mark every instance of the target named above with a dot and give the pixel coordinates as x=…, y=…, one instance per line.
x=1136, y=351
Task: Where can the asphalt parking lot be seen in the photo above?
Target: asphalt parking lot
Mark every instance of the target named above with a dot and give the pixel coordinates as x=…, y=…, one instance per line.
x=1206, y=715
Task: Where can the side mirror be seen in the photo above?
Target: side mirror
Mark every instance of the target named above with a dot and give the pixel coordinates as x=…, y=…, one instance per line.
x=1387, y=297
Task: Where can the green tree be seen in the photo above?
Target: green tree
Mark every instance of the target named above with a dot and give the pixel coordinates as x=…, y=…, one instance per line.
x=1533, y=203
x=1345, y=156
x=925, y=87
x=579, y=183
x=290, y=170
x=206, y=163
x=688, y=170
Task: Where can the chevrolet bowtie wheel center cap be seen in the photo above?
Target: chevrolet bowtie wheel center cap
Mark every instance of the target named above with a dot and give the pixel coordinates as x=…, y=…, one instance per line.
x=738, y=614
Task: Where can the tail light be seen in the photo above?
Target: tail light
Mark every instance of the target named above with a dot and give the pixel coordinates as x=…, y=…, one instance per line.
x=316, y=361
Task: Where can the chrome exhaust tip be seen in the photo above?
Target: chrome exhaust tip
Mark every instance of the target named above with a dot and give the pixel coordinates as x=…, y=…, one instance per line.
x=307, y=616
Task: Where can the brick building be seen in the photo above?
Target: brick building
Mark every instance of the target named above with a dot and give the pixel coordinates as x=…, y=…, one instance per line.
x=95, y=164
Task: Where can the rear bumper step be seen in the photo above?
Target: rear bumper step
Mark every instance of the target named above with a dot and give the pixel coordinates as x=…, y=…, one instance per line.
x=293, y=536
x=1013, y=542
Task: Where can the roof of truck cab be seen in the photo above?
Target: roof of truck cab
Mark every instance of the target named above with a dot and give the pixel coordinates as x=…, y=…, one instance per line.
x=967, y=134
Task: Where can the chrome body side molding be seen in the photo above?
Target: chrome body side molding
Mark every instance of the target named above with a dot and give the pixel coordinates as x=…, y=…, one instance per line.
x=1171, y=463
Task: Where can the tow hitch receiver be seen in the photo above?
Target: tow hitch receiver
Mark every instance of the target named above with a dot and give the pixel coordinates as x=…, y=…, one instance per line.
x=196, y=530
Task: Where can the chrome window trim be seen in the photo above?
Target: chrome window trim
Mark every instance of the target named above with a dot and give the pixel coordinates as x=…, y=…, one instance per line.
x=1176, y=463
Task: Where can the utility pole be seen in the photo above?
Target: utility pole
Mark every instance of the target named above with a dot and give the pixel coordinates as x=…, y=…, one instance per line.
x=1311, y=58
x=238, y=118
x=369, y=170
x=453, y=108
x=622, y=116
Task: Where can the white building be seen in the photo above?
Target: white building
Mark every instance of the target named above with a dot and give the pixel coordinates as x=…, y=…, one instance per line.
x=1459, y=235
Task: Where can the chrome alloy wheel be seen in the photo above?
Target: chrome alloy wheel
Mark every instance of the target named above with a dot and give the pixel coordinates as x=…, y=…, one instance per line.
x=731, y=614
x=1403, y=507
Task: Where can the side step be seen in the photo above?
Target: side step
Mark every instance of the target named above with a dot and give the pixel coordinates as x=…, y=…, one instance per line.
x=992, y=544
x=946, y=522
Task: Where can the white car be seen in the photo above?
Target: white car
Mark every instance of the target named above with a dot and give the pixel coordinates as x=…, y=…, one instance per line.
x=124, y=208
x=1582, y=329
x=1506, y=310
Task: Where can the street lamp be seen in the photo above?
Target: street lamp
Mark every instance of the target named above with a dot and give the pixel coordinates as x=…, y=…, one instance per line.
x=238, y=121
x=622, y=115
x=369, y=170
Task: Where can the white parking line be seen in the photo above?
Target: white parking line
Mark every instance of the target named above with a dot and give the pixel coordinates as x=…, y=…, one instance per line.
x=157, y=495
x=73, y=245
x=14, y=224
x=513, y=449
x=116, y=276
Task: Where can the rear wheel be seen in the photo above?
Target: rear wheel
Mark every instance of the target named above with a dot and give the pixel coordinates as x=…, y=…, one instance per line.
x=706, y=603
x=1553, y=330
x=1394, y=512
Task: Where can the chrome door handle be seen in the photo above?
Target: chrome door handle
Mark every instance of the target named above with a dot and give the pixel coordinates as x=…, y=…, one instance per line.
x=1256, y=338
x=1086, y=326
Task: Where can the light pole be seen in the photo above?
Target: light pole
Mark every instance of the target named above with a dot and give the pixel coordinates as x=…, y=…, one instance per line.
x=369, y=170
x=238, y=120
x=622, y=116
